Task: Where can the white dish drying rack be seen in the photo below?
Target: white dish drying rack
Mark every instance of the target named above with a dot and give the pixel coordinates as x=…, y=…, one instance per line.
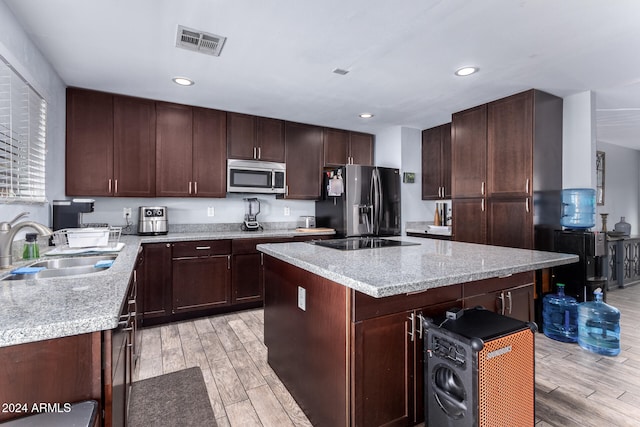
x=91, y=239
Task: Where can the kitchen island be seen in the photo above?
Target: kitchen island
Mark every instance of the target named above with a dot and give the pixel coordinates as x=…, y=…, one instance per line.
x=343, y=328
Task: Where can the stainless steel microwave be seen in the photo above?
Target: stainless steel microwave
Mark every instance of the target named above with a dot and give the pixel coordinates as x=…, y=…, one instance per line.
x=254, y=176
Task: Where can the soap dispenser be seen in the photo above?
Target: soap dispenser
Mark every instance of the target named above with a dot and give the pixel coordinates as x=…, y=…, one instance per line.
x=31, y=249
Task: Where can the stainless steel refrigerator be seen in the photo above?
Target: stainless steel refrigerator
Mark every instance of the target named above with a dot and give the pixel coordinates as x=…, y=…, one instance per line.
x=360, y=201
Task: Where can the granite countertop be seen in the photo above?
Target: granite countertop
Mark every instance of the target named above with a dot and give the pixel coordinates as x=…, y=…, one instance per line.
x=403, y=269
x=40, y=309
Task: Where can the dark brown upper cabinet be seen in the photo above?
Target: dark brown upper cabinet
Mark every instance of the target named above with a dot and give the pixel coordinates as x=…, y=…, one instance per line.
x=255, y=138
x=436, y=162
x=343, y=147
x=110, y=147
x=304, y=160
x=191, y=151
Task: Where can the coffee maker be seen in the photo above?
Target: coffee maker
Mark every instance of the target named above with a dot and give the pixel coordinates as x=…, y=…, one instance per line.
x=68, y=213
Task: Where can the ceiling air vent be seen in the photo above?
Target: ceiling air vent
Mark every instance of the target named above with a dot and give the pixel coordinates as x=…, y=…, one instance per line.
x=199, y=41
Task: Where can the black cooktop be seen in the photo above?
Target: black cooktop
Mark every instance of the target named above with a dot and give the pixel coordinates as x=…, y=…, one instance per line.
x=356, y=243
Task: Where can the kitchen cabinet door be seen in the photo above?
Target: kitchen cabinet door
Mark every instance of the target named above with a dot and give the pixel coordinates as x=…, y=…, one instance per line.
x=510, y=223
x=383, y=360
x=270, y=139
x=436, y=163
x=469, y=220
x=201, y=283
x=343, y=147
x=510, y=146
x=241, y=136
x=209, y=153
x=154, y=281
x=514, y=302
x=304, y=160
x=336, y=147
x=361, y=148
x=469, y=152
x=134, y=147
x=247, y=278
x=174, y=150
x=89, y=144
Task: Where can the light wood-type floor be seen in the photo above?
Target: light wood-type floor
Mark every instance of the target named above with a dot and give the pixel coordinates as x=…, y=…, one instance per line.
x=573, y=386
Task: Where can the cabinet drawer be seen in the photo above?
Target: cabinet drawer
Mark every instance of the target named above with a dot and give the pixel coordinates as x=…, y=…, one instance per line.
x=201, y=248
x=248, y=246
x=496, y=284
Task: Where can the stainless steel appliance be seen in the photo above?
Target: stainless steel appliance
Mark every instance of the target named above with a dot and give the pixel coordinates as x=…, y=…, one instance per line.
x=307, y=222
x=152, y=220
x=360, y=201
x=590, y=272
x=68, y=213
x=357, y=243
x=252, y=209
x=254, y=176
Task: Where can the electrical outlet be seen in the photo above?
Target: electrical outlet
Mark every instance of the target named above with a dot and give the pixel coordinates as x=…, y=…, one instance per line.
x=211, y=211
x=302, y=298
x=287, y=211
x=126, y=212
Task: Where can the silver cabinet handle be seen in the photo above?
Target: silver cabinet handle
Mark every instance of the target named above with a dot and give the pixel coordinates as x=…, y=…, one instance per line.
x=228, y=262
x=527, y=205
x=502, y=305
x=189, y=187
x=116, y=187
x=203, y=248
x=482, y=205
x=420, y=327
x=254, y=153
x=482, y=188
x=195, y=187
x=109, y=186
x=412, y=328
x=526, y=186
x=510, y=301
x=259, y=153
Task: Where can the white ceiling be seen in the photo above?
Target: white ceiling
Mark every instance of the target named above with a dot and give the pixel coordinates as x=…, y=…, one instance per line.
x=279, y=55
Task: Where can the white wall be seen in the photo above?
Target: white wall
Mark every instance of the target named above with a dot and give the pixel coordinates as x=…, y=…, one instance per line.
x=621, y=186
x=401, y=147
x=22, y=54
x=579, y=141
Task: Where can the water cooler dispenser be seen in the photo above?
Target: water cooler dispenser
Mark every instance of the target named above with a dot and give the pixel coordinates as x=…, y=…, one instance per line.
x=578, y=218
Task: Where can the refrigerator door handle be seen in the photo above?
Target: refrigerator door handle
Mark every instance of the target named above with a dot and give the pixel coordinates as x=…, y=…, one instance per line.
x=377, y=201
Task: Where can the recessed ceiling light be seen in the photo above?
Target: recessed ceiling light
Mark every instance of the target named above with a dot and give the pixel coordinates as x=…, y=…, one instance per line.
x=183, y=81
x=466, y=71
x=366, y=115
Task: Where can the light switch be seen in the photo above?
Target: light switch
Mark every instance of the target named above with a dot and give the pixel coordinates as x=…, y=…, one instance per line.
x=302, y=298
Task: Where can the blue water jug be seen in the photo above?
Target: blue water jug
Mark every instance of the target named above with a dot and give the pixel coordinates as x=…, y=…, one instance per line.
x=578, y=208
x=599, y=326
x=560, y=316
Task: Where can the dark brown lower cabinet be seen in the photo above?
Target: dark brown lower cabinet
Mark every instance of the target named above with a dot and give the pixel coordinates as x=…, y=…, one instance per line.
x=352, y=360
x=154, y=282
x=201, y=275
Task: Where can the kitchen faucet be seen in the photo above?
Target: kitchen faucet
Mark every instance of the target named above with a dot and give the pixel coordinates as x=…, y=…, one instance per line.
x=8, y=231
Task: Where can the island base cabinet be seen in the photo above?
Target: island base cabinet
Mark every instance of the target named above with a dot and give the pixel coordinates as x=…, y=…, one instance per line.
x=307, y=346
x=56, y=371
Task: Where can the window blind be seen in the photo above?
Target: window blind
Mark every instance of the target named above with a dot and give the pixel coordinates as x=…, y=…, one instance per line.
x=23, y=118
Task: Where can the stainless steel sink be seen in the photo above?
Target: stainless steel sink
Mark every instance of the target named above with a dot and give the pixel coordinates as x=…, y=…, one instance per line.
x=56, y=263
x=63, y=267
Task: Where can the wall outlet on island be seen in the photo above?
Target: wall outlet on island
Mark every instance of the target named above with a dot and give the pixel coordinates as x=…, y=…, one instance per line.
x=302, y=298
x=211, y=211
x=126, y=212
x=287, y=211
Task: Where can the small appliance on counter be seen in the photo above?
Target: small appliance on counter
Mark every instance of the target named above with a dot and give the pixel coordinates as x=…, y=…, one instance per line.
x=152, y=220
x=252, y=209
x=307, y=222
x=68, y=213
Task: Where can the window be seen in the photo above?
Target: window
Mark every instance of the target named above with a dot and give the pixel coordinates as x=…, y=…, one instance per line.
x=23, y=114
